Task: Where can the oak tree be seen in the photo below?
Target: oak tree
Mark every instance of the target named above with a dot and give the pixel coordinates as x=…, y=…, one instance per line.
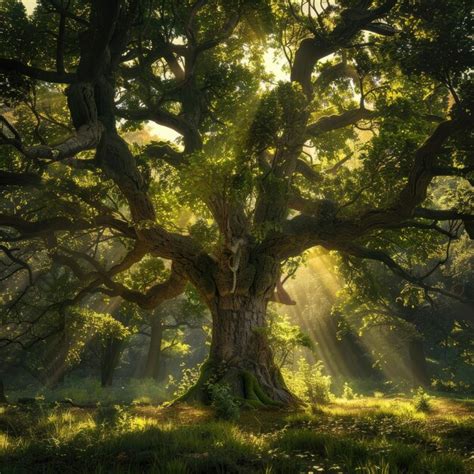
x=345, y=151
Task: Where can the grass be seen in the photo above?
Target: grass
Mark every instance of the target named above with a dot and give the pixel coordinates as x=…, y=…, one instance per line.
x=365, y=435
x=88, y=390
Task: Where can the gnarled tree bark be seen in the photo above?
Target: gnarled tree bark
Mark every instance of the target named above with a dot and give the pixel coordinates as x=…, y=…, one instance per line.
x=241, y=357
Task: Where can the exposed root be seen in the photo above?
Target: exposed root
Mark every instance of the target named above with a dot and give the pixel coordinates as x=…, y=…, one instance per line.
x=254, y=393
x=244, y=386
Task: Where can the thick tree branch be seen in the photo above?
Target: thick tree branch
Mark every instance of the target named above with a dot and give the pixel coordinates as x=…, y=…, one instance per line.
x=191, y=136
x=370, y=254
x=443, y=214
x=424, y=226
x=29, y=229
x=87, y=137
x=13, y=65
x=154, y=296
x=334, y=122
x=8, y=178
x=453, y=171
x=421, y=175
x=305, y=170
x=313, y=49
x=166, y=153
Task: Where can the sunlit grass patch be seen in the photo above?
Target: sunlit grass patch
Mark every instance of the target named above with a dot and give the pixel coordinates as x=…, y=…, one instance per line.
x=184, y=439
x=90, y=391
x=364, y=455
x=325, y=445
x=64, y=425
x=362, y=407
x=210, y=447
x=444, y=464
x=4, y=442
x=184, y=414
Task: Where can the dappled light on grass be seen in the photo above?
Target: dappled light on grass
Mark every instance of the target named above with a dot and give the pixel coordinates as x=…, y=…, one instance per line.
x=364, y=435
x=4, y=443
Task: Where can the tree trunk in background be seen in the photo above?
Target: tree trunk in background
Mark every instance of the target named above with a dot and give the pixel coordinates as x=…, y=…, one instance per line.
x=163, y=368
x=418, y=365
x=3, y=398
x=55, y=363
x=152, y=366
x=110, y=359
x=240, y=355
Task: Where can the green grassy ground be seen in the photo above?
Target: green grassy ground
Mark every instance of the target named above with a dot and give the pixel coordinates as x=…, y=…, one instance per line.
x=366, y=435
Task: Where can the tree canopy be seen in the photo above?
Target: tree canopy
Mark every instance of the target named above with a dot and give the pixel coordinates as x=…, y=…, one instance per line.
x=345, y=125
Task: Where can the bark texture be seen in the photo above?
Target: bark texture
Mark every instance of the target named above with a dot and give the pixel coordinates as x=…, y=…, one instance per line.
x=241, y=357
x=153, y=360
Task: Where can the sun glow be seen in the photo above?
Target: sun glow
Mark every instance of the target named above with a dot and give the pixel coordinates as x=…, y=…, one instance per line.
x=347, y=353
x=29, y=5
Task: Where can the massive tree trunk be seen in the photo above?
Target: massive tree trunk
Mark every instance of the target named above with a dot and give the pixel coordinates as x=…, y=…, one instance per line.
x=240, y=355
x=152, y=366
x=418, y=365
x=110, y=358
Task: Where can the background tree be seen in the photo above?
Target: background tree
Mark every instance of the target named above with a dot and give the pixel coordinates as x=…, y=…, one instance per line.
x=427, y=327
x=344, y=154
x=168, y=325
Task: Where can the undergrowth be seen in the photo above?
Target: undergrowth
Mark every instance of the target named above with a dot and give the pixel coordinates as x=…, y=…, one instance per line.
x=362, y=435
x=89, y=391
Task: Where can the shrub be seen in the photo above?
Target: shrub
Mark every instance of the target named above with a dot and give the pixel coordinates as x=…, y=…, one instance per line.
x=348, y=393
x=112, y=417
x=421, y=400
x=225, y=405
x=309, y=383
x=189, y=377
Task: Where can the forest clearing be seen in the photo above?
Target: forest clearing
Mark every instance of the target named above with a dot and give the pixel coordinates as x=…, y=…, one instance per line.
x=366, y=435
x=236, y=236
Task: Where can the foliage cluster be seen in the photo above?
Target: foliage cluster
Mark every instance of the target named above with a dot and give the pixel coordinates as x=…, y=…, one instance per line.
x=224, y=403
x=309, y=382
x=421, y=400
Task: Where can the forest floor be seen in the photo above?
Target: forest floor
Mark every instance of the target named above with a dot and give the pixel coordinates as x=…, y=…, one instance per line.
x=364, y=435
